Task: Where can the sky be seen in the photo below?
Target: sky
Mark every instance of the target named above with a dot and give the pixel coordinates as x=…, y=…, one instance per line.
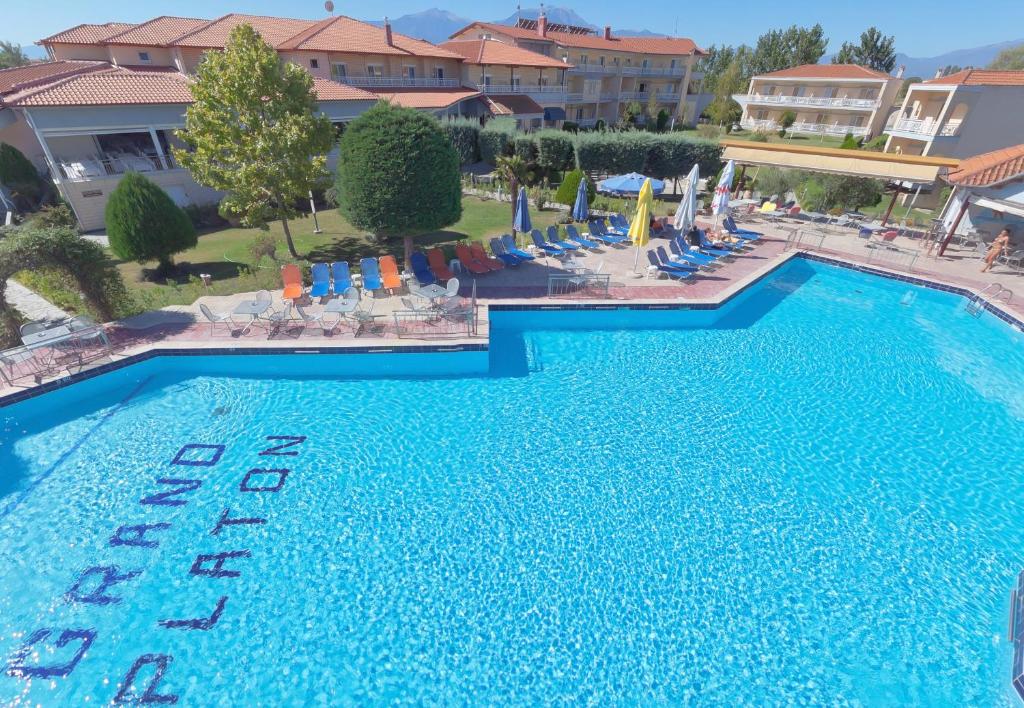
x=921, y=27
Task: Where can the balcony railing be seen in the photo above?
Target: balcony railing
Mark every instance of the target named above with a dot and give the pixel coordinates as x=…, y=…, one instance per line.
x=577, y=97
x=83, y=169
x=926, y=127
x=593, y=69
x=585, y=122
x=653, y=71
x=633, y=96
x=805, y=127
x=811, y=101
x=609, y=95
x=553, y=91
x=397, y=82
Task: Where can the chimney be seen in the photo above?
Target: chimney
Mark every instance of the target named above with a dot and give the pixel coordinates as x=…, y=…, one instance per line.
x=607, y=32
x=387, y=33
x=940, y=73
x=542, y=25
x=901, y=71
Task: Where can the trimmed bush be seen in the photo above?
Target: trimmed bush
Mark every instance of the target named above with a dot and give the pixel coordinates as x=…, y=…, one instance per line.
x=19, y=175
x=566, y=193
x=464, y=135
x=524, y=147
x=612, y=153
x=144, y=224
x=554, y=150
x=496, y=139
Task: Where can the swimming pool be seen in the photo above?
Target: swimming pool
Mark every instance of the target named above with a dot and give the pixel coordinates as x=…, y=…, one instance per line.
x=813, y=494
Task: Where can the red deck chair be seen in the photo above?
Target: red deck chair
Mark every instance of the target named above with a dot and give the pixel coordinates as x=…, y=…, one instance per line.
x=439, y=266
x=481, y=255
x=468, y=261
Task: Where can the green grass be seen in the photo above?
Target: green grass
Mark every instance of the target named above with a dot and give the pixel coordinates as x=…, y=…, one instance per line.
x=224, y=253
x=823, y=141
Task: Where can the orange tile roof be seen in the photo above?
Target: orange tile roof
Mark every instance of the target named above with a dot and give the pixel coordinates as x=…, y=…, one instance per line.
x=492, y=52
x=989, y=168
x=344, y=34
x=429, y=98
x=20, y=78
x=981, y=77
x=160, y=31
x=827, y=71
x=512, y=104
x=640, y=45
x=214, y=35
x=87, y=34
x=123, y=86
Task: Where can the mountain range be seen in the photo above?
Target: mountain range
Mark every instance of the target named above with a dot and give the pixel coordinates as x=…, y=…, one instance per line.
x=925, y=67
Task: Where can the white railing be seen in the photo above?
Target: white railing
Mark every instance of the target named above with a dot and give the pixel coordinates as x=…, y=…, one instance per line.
x=812, y=101
x=926, y=126
x=397, y=82
x=653, y=71
x=593, y=69
x=633, y=96
x=577, y=97
x=668, y=97
x=828, y=129
x=584, y=122
x=100, y=166
x=758, y=124
x=521, y=88
x=950, y=127
x=610, y=96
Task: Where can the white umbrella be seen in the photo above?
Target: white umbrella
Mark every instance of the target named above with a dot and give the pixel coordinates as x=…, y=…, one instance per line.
x=686, y=214
x=722, y=189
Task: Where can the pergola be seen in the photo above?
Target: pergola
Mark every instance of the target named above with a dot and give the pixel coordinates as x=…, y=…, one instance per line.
x=903, y=172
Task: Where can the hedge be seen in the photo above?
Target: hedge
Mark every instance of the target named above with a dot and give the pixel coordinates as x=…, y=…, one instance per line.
x=555, y=150
x=464, y=135
x=496, y=139
x=525, y=147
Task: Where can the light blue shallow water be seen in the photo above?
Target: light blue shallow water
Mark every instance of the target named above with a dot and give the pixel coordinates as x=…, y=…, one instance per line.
x=818, y=499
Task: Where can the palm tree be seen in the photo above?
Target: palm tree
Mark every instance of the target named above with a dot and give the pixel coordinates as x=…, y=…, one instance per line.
x=512, y=170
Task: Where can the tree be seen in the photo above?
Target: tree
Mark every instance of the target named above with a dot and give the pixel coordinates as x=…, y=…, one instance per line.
x=144, y=224
x=566, y=193
x=12, y=55
x=513, y=169
x=19, y=175
x=875, y=51
x=252, y=131
x=398, y=175
x=787, y=119
x=1010, y=59
x=783, y=49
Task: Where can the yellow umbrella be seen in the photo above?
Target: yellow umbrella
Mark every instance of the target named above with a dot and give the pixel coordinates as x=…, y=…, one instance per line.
x=640, y=229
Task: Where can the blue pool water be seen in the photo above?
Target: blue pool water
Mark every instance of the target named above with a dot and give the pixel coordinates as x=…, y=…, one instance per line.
x=813, y=495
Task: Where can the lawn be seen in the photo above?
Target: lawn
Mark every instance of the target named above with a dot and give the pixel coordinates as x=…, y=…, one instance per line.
x=822, y=141
x=224, y=254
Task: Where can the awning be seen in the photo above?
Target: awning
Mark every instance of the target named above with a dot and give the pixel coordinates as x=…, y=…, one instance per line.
x=554, y=113
x=1001, y=205
x=514, y=105
x=856, y=163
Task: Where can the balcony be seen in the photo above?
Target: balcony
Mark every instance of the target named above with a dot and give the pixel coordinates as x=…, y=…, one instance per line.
x=634, y=96
x=84, y=169
x=925, y=127
x=609, y=95
x=593, y=69
x=396, y=82
x=653, y=71
x=542, y=94
x=866, y=104
x=806, y=128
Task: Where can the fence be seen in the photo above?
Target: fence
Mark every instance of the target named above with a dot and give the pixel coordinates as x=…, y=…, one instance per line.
x=893, y=257
x=594, y=284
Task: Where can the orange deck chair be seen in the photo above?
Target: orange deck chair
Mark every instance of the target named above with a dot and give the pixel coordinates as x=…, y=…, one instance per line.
x=292, y=277
x=389, y=273
x=437, y=263
x=481, y=255
x=468, y=262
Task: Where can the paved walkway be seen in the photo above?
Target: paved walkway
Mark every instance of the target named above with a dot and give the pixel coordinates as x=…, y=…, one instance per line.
x=30, y=304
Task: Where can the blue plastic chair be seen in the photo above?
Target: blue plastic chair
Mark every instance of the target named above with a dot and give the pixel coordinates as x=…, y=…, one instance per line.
x=510, y=247
x=598, y=231
x=421, y=269
x=321, y=286
x=342, y=277
x=665, y=260
x=371, y=274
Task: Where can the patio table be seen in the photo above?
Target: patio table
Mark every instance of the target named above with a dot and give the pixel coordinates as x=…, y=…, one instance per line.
x=431, y=292
x=252, y=308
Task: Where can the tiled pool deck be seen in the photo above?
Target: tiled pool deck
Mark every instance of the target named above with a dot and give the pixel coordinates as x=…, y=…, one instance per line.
x=182, y=330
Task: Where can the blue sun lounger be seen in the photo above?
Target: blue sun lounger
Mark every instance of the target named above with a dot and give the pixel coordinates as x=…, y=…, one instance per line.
x=598, y=231
x=553, y=238
x=730, y=225
x=682, y=251
x=498, y=249
x=321, y=275
x=342, y=277
x=543, y=245
x=371, y=274
x=708, y=247
x=421, y=269
x=509, y=246
x=670, y=271
x=665, y=260
x=574, y=235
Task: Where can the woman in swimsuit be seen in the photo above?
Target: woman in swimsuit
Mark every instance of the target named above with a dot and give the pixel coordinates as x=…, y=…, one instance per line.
x=1001, y=243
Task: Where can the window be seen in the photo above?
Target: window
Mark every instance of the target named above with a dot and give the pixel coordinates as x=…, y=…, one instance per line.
x=515, y=82
x=799, y=91
x=761, y=115
x=868, y=94
x=144, y=57
x=338, y=72
x=644, y=63
x=583, y=58
x=642, y=88
x=409, y=71
x=600, y=60
x=858, y=122
x=438, y=72
x=375, y=70
x=821, y=118
x=829, y=92
x=579, y=114
x=487, y=79
x=769, y=90
x=314, y=63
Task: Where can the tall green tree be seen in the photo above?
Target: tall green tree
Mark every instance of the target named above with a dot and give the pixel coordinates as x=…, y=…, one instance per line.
x=12, y=55
x=1010, y=59
x=875, y=51
x=782, y=49
x=253, y=131
x=18, y=175
x=144, y=224
x=513, y=170
x=398, y=175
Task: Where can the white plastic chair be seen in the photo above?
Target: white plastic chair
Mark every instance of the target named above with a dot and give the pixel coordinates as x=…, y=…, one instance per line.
x=217, y=318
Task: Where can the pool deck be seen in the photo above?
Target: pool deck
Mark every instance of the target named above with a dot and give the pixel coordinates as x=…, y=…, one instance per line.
x=184, y=327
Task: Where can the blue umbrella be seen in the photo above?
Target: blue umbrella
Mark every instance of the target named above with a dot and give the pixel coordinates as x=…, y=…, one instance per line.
x=521, y=222
x=580, y=212
x=629, y=184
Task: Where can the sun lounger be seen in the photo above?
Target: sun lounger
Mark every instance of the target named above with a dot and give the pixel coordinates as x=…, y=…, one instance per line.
x=553, y=238
x=616, y=227
x=498, y=248
x=683, y=252
x=468, y=262
x=598, y=231
x=574, y=235
x=292, y=278
x=543, y=245
x=735, y=230
x=342, y=277
x=665, y=260
x=478, y=252
x=321, y=275
x=371, y=274
x=389, y=274
x=438, y=264
x=708, y=247
x=670, y=271
x=510, y=247
x=421, y=269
